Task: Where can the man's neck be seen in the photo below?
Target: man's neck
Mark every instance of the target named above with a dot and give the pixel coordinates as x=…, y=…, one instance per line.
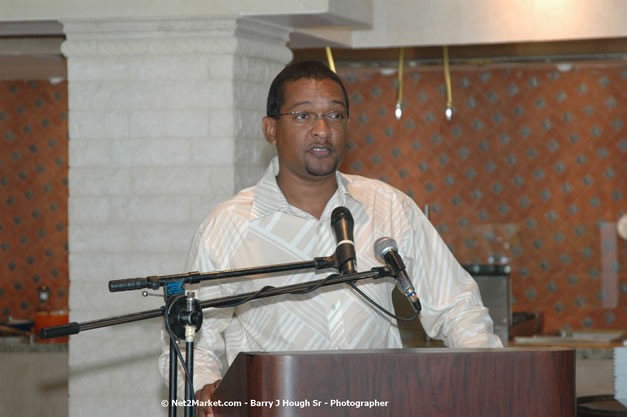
x=309, y=196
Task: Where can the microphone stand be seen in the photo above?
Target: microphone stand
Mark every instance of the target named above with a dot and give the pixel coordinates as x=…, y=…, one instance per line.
x=155, y=282
x=183, y=314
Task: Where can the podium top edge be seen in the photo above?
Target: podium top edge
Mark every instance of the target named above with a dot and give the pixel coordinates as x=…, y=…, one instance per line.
x=436, y=350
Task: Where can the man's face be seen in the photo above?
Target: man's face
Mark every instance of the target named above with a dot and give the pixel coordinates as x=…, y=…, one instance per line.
x=309, y=151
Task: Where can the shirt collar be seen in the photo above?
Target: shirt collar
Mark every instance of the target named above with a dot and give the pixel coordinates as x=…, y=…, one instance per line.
x=269, y=198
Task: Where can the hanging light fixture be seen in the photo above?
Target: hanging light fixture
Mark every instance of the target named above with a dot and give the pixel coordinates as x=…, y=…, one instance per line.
x=449, y=110
x=399, y=89
x=330, y=58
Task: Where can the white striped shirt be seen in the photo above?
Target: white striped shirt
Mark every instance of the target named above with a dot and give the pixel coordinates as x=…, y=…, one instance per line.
x=258, y=227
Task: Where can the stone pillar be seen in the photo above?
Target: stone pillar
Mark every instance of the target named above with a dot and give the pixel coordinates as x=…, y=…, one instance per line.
x=165, y=120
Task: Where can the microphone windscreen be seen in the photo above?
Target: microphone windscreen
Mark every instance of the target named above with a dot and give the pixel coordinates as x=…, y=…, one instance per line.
x=340, y=213
x=383, y=245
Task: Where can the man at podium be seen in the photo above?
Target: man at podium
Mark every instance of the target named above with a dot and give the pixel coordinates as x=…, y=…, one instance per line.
x=285, y=218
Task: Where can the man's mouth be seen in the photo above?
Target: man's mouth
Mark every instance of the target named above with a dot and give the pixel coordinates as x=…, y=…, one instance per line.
x=320, y=150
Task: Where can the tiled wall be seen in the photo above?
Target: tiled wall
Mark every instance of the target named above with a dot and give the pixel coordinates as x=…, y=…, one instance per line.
x=34, y=194
x=532, y=167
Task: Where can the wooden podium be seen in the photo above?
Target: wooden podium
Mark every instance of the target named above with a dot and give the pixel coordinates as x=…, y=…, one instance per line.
x=401, y=383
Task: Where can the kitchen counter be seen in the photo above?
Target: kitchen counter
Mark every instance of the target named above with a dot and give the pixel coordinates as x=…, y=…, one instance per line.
x=24, y=345
x=583, y=349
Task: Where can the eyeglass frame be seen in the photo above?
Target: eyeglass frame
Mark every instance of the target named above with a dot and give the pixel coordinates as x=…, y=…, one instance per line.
x=317, y=116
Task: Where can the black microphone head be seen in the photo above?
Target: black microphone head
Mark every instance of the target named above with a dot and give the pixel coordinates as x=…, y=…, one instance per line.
x=340, y=213
x=383, y=245
x=342, y=224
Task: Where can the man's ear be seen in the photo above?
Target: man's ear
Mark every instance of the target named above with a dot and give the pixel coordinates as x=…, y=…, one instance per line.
x=268, y=125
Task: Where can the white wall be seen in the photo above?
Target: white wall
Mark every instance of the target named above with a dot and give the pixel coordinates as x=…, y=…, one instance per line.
x=164, y=119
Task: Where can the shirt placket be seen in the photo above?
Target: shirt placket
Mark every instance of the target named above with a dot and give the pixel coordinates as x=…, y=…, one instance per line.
x=335, y=312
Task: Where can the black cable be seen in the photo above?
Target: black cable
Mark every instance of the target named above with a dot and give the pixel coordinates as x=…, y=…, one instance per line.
x=269, y=287
x=247, y=299
x=374, y=303
x=315, y=287
x=176, y=347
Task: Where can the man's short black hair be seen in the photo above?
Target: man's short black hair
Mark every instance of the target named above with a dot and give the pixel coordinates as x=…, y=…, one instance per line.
x=312, y=70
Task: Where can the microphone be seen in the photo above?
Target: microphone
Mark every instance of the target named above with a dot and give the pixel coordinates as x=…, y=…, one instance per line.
x=386, y=249
x=342, y=224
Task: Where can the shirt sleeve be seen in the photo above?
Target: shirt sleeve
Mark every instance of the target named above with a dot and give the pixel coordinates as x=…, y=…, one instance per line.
x=209, y=345
x=452, y=309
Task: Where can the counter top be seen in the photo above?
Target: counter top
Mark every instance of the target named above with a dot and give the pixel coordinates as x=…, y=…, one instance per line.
x=25, y=346
x=585, y=349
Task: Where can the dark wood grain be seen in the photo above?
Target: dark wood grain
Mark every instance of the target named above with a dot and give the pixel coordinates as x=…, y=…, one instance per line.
x=414, y=382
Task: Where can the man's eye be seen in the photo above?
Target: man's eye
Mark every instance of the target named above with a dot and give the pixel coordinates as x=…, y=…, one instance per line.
x=302, y=116
x=335, y=115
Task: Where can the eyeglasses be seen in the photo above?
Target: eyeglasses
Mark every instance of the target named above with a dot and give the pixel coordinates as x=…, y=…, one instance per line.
x=309, y=117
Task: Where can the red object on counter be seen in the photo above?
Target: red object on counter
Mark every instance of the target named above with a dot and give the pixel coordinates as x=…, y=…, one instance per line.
x=48, y=319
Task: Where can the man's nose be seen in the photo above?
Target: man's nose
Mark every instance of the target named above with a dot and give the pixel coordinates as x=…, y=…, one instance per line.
x=321, y=127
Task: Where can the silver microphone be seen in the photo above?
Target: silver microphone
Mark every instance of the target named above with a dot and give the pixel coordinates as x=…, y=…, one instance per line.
x=386, y=250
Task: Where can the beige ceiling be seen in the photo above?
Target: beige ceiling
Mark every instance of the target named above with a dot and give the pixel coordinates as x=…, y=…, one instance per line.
x=31, y=32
